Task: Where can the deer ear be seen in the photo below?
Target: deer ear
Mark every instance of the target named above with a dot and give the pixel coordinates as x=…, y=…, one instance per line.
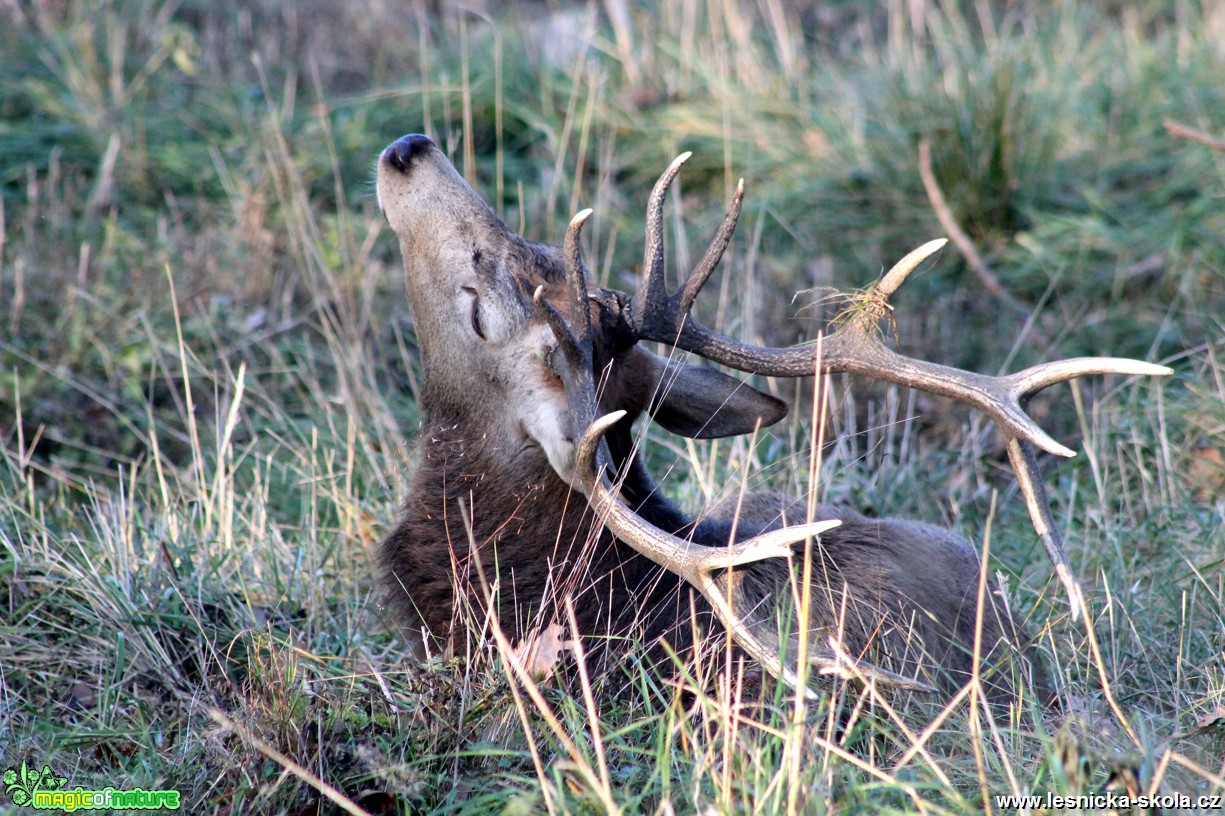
x=702, y=403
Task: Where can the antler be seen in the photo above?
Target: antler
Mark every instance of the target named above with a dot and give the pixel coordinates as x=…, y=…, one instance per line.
x=712, y=571
x=857, y=348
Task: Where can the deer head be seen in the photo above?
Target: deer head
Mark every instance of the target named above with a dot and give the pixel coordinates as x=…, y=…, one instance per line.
x=490, y=360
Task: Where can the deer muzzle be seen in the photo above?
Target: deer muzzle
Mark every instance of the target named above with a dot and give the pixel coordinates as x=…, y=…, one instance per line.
x=401, y=153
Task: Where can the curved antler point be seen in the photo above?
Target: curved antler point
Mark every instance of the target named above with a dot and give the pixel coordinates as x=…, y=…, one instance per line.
x=612, y=416
x=675, y=166
x=895, y=276
x=602, y=424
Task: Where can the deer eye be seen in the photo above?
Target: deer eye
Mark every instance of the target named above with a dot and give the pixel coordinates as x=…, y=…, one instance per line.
x=476, y=312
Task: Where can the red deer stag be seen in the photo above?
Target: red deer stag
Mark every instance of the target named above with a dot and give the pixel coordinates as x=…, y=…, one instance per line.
x=511, y=511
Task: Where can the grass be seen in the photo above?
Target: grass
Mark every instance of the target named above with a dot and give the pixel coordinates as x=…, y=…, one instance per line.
x=208, y=383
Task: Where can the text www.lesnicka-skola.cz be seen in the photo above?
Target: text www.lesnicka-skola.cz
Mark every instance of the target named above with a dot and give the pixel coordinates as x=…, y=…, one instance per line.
x=1109, y=801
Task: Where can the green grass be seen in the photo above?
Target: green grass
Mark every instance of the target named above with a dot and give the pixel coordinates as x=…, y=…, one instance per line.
x=208, y=380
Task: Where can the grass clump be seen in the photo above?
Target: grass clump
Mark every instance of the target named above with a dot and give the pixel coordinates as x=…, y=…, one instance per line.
x=208, y=383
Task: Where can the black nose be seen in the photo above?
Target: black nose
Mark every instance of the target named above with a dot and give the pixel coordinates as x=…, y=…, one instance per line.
x=402, y=152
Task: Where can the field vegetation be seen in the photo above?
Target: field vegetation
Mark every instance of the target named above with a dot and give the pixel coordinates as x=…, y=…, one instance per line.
x=208, y=381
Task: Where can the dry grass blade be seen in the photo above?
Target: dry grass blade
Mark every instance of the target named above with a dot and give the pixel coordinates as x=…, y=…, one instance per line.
x=332, y=794
x=949, y=223
x=1188, y=132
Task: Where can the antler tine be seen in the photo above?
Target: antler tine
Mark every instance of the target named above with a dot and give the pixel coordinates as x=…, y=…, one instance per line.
x=576, y=374
x=896, y=276
x=1013, y=391
x=652, y=288
x=697, y=565
x=1033, y=489
x=1032, y=380
x=576, y=279
x=714, y=253
x=656, y=315
x=576, y=346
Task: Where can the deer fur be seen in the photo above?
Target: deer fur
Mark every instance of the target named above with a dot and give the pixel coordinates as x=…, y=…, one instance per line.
x=490, y=511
